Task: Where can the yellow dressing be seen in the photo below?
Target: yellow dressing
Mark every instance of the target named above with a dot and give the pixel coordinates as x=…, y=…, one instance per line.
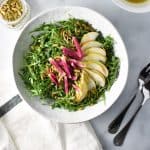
x=136, y=1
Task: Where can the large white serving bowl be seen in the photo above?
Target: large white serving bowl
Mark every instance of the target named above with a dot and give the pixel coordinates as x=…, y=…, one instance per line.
x=98, y=22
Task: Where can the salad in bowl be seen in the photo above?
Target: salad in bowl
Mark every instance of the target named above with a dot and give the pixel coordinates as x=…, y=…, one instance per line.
x=70, y=67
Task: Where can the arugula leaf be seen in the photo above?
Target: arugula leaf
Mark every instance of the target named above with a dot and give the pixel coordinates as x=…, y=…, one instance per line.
x=47, y=41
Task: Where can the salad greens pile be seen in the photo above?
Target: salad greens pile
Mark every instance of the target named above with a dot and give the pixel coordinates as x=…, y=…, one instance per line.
x=47, y=41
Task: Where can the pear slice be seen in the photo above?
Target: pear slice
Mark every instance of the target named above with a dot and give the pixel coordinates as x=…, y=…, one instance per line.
x=91, y=83
x=82, y=85
x=91, y=36
x=95, y=50
x=95, y=57
x=97, y=66
x=91, y=44
x=97, y=77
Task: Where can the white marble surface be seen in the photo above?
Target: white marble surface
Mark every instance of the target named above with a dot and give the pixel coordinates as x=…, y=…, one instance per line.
x=135, y=31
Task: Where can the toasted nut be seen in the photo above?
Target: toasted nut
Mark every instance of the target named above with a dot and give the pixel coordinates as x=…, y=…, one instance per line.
x=11, y=10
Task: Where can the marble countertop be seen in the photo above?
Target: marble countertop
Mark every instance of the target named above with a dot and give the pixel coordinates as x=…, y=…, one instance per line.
x=135, y=32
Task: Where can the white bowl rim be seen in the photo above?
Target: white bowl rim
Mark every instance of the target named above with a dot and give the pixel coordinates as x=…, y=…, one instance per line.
x=127, y=63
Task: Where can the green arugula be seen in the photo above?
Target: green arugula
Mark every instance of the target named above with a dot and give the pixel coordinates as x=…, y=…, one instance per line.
x=47, y=41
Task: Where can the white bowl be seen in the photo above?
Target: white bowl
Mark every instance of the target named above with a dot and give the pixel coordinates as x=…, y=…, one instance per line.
x=98, y=22
x=132, y=7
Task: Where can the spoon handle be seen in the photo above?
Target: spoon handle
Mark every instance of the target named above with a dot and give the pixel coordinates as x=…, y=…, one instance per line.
x=120, y=137
x=115, y=124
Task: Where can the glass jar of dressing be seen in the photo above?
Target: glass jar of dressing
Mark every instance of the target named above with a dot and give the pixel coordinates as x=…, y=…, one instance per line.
x=14, y=13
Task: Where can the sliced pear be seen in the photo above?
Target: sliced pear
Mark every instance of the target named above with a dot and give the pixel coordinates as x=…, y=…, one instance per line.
x=97, y=77
x=82, y=87
x=91, y=83
x=95, y=50
x=91, y=44
x=97, y=66
x=91, y=36
x=95, y=56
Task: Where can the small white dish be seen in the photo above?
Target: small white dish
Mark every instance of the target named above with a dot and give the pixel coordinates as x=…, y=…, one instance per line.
x=98, y=22
x=142, y=7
